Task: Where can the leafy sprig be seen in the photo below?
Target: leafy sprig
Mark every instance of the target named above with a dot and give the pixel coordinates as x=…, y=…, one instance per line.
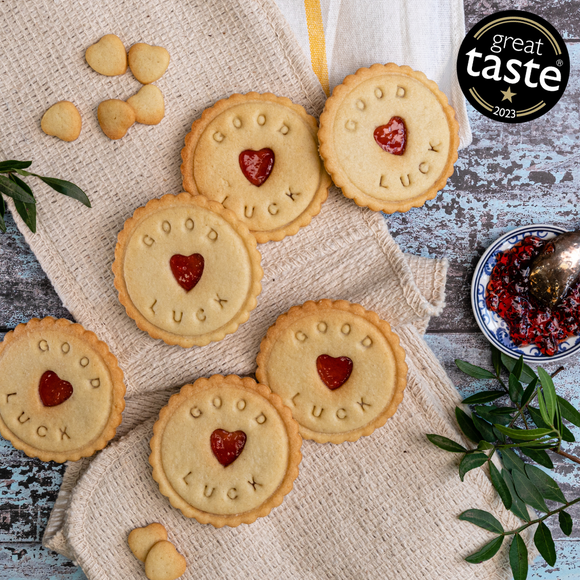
x=531, y=425
x=12, y=186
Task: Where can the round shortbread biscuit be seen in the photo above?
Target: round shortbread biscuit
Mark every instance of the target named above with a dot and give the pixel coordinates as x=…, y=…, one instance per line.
x=187, y=271
x=337, y=366
x=225, y=451
x=258, y=156
x=61, y=390
x=388, y=138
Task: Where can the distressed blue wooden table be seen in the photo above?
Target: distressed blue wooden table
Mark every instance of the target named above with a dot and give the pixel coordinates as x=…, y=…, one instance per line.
x=511, y=175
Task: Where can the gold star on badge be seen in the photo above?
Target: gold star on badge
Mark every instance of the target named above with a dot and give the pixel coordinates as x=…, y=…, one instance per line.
x=508, y=94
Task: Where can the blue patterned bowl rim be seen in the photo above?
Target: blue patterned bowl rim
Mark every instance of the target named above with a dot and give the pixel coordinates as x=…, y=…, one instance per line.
x=492, y=326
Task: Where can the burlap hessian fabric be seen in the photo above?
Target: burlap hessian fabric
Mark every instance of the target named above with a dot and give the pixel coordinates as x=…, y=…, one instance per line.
x=383, y=507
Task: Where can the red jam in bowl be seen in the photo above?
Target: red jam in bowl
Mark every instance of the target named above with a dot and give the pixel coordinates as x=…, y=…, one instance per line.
x=508, y=294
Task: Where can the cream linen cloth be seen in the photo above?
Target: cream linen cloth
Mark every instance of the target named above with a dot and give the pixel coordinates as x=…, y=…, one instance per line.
x=340, y=36
x=383, y=507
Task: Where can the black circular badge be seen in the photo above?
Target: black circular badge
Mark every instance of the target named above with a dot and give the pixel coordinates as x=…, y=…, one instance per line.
x=513, y=66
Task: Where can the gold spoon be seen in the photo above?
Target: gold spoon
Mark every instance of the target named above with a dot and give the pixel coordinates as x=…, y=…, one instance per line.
x=555, y=269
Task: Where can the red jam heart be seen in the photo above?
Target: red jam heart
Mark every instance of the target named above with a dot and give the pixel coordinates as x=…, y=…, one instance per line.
x=53, y=390
x=334, y=372
x=187, y=270
x=257, y=165
x=227, y=446
x=392, y=137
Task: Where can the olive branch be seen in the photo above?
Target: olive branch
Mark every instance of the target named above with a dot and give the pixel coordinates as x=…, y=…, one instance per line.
x=531, y=425
x=12, y=186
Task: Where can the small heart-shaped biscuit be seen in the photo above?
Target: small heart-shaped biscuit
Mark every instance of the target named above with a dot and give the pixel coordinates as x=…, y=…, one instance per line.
x=141, y=540
x=62, y=120
x=148, y=105
x=148, y=63
x=108, y=56
x=115, y=117
x=164, y=562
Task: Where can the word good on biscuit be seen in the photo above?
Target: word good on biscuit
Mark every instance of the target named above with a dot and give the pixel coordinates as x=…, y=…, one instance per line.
x=115, y=117
x=62, y=120
x=141, y=540
x=108, y=56
x=148, y=63
x=164, y=562
x=148, y=105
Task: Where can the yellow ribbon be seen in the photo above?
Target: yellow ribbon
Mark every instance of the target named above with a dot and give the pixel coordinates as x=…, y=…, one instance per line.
x=317, y=43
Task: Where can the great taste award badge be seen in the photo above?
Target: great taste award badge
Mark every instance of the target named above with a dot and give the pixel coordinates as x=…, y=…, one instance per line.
x=513, y=66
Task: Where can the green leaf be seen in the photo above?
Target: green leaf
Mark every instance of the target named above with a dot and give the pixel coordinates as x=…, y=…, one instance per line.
x=529, y=392
x=566, y=434
x=547, y=418
x=27, y=211
x=66, y=188
x=487, y=552
x=467, y=426
x=500, y=485
x=568, y=411
x=496, y=360
x=484, y=397
x=446, y=444
x=565, y=521
x=519, y=558
x=525, y=434
x=484, y=445
x=515, y=389
x=509, y=363
x=545, y=543
x=542, y=444
x=493, y=414
x=503, y=411
x=539, y=456
x=549, y=393
x=537, y=418
x=499, y=435
x=482, y=519
x=473, y=371
x=518, y=368
x=2, y=224
x=484, y=428
x=9, y=188
x=518, y=506
x=512, y=461
x=471, y=461
x=529, y=492
x=545, y=484
x=12, y=164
